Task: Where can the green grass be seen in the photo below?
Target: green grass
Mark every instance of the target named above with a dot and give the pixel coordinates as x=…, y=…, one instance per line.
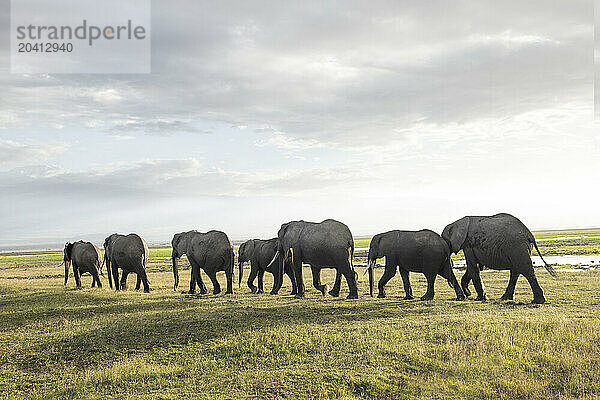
x=57, y=342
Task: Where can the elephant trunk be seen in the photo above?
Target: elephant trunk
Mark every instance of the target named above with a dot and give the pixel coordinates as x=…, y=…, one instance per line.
x=241, y=272
x=175, y=273
x=66, y=271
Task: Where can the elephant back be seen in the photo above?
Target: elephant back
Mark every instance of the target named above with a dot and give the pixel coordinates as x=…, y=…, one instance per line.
x=499, y=231
x=85, y=255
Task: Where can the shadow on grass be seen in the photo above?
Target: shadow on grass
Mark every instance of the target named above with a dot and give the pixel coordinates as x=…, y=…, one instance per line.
x=175, y=321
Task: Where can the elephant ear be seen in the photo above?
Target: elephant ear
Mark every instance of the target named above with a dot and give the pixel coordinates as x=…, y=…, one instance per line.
x=289, y=235
x=68, y=250
x=242, y=250
x=374, y=248
x=458, y=234
x=250, y=248
x=175, y=245
x=107, y=241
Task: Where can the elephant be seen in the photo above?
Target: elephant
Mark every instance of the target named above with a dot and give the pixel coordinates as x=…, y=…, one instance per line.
x=212, y=251
x=130, y=253
x=412, y=251
x=85, y=257
x=499, y=242
x=259, y=253
x=327, y=244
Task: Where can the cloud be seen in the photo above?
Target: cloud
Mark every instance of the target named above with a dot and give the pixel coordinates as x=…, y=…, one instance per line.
x=386, y=114
x=12, y=153
x=157, y=127
x=167, y=179
x=316, y=74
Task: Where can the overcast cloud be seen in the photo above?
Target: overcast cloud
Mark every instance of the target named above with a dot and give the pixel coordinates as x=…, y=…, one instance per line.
x=383, y=114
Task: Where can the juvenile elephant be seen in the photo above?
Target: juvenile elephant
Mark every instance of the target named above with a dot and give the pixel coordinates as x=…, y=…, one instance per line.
x=259, y=253
x=128, y=252
x=211, y=251
x=422, y=251
x=499, y=241
x=85, y=257
x=327, y=244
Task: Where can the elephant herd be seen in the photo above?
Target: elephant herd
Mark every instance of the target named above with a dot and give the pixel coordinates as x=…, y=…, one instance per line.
x=499, y=242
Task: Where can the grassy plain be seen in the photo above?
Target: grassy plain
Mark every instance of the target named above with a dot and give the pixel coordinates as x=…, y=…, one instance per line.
x=57, y=342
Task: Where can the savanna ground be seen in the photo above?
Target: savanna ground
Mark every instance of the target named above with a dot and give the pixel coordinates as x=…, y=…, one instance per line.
x=57, y=342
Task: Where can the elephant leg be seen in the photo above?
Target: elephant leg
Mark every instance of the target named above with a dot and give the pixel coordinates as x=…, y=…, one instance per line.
x=115, y=271
x=473, y=271
x=193, y=277
x=77, y=277
x=448, y=274
x=299, y=278
x=464, y=283
x=290, y=274
x=144, y=278
x=430, y=287
x=390, y=271
x=124, y=280
x=138, y=282
x=229, y=279
x=201, y=285
x=200, y=282
x=92, y=274
x=316, y=274
x=193, y=281
x=406, y=281
x=509, y=294
x=251, y=278
x=99, y=283
x=261, y=274
x=350, y=276
x=192, y=284
x=538, y=292
x=95, y=277
x=335, y=291
x=213, y=277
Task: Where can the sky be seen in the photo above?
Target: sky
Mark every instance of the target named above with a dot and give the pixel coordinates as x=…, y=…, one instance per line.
x=381, y=114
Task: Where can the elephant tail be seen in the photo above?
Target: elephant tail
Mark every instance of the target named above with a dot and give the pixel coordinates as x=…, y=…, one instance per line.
x=107, y=262
x=448, y=264
x=144, y=261
x=351, y=260
x=241, y=274
x=546, y=265
x=232, y=261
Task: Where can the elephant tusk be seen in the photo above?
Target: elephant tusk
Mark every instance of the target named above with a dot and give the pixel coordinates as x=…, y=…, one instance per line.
x=367, y=269
x=273, y=260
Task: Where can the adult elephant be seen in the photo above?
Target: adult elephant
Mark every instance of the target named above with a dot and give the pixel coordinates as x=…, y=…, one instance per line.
x=500, y=242
x=259, y=253
x=128, y=252
x=85, y=257
x=412, y=251
x=211, y=251
x=327, y=244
